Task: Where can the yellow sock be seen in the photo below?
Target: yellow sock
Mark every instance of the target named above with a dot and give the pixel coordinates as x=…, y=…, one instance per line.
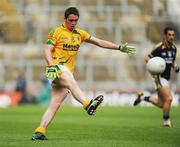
x=86, y=103
x=40, y=130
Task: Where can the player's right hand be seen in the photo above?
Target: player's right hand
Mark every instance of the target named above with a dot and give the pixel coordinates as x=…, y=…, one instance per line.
x=52, y=72
x=130, y=50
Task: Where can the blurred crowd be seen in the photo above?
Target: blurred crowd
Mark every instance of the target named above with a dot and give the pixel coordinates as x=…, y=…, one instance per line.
x=20, y=95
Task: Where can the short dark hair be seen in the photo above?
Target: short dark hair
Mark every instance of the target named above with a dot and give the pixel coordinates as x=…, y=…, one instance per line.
x=166, y=29
x=71, y=10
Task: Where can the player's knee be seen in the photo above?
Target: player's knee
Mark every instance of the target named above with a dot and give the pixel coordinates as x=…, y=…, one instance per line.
x=169, y=100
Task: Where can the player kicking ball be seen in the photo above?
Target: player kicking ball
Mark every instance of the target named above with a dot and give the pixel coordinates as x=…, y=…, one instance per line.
x=60, y=53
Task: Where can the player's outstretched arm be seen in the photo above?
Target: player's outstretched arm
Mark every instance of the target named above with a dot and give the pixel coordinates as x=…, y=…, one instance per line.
x=130, y=50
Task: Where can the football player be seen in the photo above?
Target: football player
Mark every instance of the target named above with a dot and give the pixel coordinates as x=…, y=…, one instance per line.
x=166, y=50
x=60, y=53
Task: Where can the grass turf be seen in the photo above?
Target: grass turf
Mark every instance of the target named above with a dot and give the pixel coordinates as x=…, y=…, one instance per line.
x=109, y=127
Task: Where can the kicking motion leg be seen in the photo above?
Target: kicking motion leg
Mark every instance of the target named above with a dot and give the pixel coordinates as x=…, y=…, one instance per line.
x=68, y=81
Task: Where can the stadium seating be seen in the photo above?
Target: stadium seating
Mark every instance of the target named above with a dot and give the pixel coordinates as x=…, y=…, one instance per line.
x=13, y=29
x=138, y=22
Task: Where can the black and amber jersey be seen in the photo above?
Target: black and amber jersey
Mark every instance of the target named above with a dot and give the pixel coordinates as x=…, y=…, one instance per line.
x=168, y=53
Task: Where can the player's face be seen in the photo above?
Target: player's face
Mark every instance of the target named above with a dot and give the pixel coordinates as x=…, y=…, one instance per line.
x=170, y=36
x=71, y=21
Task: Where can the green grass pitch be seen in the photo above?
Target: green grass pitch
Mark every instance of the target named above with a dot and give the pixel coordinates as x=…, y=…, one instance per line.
x=72, y=127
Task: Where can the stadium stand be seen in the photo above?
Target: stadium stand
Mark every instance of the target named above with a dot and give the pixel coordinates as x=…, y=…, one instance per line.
x=25, y=24
x=12, y=24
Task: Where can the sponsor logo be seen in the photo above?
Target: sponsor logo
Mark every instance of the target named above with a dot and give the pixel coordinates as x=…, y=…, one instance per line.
x=69, y=47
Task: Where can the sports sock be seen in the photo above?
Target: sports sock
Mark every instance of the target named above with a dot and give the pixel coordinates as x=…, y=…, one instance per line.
x=40, y=130
x=86, y=103
x=166, y=117
x=146, y=98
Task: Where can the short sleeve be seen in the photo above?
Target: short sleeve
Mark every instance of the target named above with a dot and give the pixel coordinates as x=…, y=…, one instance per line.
x=85, y=35
x=52, y=37
x=155, y=51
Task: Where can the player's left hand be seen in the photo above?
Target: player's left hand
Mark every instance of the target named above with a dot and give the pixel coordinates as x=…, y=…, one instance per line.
x=176, y=69
x=130, y=50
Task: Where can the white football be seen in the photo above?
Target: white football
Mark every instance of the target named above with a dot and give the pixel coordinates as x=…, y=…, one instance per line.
x=156, y=65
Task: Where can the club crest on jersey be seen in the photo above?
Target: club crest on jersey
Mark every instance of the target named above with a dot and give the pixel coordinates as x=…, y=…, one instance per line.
x=75, y=39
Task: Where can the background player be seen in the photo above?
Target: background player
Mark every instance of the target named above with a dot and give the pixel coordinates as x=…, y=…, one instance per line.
x=167, y=50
